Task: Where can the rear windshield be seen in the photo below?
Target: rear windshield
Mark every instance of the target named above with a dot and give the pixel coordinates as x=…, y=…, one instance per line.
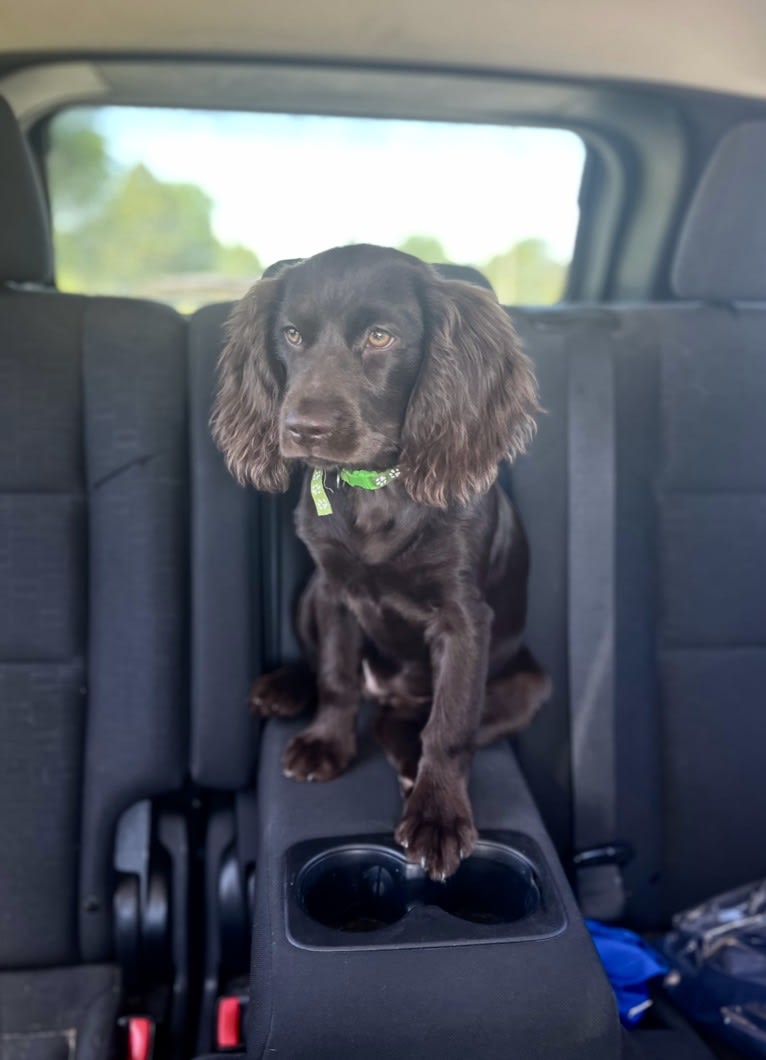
x=189, y=207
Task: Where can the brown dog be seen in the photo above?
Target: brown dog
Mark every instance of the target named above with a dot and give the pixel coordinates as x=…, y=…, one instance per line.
x=400, y=392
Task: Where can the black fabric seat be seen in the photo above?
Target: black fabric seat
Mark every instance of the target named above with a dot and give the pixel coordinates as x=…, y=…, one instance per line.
x=92, y=588
x=691, y=519
x=691, y=602
x=690, y=588
x=690, y=390
x=247, y=567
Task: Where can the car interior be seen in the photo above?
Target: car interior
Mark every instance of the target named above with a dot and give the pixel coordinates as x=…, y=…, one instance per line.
x=165, y=891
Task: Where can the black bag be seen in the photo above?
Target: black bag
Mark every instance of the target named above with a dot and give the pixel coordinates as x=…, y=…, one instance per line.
x=717, y=955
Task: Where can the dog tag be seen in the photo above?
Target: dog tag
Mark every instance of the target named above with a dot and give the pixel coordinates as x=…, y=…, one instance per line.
x=318, y=494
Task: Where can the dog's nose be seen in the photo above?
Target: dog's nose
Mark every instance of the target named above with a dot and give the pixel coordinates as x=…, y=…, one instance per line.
x=307, y=428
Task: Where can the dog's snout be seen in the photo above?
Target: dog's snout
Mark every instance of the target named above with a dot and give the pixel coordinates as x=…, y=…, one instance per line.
x=308, y=428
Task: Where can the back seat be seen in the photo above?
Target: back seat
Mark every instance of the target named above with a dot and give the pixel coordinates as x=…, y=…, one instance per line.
x=690, y=392
x=93, y=564
x=690, y=581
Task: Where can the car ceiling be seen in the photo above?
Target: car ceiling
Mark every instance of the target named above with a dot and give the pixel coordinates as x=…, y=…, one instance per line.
x=717, y=45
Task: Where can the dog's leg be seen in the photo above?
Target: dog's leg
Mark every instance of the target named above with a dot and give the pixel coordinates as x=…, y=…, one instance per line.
x=291, y=689
x=283, y=693
x=328, y=745
x=513, y=699
x=437, y=828
x=400, y=739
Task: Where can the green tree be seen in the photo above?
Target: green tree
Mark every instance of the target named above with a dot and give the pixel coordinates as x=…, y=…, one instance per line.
x=526, y=274
x=232, y=259
x=80, y=172
x=118, y=229
x=427, y=248
x=148, y=228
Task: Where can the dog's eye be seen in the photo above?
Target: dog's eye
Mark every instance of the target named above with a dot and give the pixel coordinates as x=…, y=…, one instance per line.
x=378, y=339
x=293, y=336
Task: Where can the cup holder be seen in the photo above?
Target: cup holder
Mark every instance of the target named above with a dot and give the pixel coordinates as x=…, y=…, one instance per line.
x=489, y=890
x=365, y=893
x=354, y=889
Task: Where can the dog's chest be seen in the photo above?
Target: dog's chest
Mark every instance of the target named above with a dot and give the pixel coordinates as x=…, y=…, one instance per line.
x=373, y=558
x=365, y=531
x=393, y=604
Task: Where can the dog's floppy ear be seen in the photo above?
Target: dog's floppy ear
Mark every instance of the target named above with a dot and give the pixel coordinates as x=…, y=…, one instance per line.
x=245, y=417
x=474, y=401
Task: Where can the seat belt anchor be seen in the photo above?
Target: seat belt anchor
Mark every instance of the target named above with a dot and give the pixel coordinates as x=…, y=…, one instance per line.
x=617, y=853
x=598, y=880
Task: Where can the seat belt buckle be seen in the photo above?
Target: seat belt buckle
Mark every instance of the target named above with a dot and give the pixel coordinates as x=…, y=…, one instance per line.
x=140, y=1032
x=599, y=883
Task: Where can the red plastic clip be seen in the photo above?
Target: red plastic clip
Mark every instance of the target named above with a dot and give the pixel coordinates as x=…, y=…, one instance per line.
x=228, y=1028
x=140, y=1037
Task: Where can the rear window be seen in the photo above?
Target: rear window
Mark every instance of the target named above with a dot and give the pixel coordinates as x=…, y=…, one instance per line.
x=189, y=207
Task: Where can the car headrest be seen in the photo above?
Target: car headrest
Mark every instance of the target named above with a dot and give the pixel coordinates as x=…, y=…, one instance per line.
x=26, y=255
x=722, y=249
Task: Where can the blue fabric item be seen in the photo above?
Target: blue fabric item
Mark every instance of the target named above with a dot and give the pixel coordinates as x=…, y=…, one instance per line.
x=629, y=963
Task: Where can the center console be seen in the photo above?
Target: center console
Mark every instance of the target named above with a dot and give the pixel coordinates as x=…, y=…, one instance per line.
x=356, y=953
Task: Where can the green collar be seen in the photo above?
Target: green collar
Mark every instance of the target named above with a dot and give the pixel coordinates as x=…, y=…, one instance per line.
x=365, y=480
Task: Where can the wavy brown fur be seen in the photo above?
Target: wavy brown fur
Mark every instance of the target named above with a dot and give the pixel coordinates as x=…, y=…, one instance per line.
x=474, y=401
x=420, y=586
x=245, y=418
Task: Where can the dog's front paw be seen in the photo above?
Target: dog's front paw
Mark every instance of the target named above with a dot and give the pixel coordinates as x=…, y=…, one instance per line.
x=437, y=830
x=311, y=756
x=282, y=693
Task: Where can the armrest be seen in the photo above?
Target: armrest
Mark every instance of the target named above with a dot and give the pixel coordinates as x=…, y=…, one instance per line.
x=482, y=995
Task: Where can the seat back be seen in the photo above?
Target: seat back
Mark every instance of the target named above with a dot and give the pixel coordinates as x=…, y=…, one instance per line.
x=691, y=599
x=690, y=584
x=247, y=570
x=92, y=581
x=692, y=528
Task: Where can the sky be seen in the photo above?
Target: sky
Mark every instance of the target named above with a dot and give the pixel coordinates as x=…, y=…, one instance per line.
x=292, y=185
